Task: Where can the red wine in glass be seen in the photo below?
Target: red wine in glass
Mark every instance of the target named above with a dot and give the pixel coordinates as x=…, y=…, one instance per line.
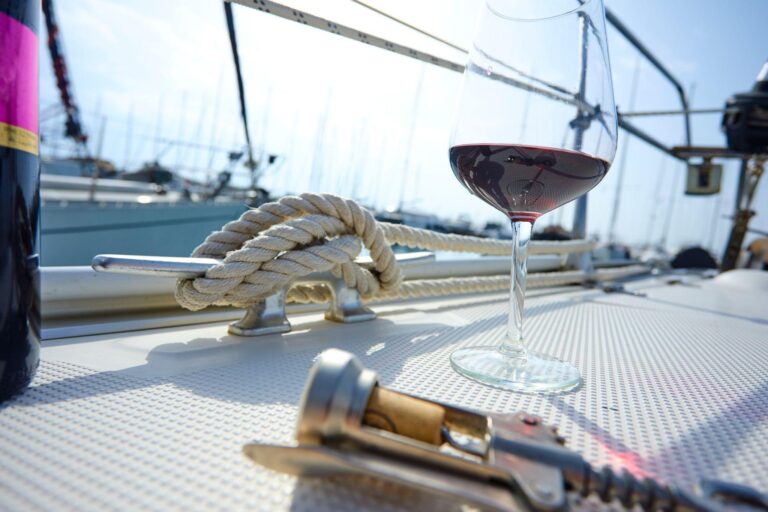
x=545, y=63
x=525, y=181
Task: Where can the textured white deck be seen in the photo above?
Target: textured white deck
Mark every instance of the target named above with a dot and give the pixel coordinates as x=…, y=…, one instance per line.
x=675, y=385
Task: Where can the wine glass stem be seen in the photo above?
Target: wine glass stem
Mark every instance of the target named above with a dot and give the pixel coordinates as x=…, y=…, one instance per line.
x=514, y=345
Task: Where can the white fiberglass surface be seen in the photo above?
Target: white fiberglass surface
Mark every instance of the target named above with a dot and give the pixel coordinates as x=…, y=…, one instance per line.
x=156, y=419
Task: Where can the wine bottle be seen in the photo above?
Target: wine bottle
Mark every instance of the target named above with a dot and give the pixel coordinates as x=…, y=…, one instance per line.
x=19, y=196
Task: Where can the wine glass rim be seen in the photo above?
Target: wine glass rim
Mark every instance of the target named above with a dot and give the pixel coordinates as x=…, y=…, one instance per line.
x=535, y=18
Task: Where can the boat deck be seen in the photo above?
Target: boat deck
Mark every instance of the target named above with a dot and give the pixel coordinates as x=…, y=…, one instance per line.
x=675, y=386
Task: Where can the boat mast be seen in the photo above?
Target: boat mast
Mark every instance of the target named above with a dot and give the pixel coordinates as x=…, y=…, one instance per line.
x=411, y=132
x=250, y=163
x=580, y=124
x=625, y=152
x=102, y=133
x=158, y=124
x=656, y=199
x=182, y=124
x=714, y=223
x=199, y=133
x=73, y=128
x=214, y=123
x=318, y=154
x=670, y=212
x=128, y=138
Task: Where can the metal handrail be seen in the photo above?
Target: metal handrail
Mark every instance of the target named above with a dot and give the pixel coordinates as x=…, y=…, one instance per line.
x=78, y=301
x=283, y=11
x=634, y=41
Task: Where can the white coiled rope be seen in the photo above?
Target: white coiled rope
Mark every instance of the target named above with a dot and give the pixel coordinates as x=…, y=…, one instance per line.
x=271, y=246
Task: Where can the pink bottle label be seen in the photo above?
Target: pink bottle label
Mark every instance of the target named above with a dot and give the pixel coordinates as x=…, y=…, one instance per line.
x=18, y=86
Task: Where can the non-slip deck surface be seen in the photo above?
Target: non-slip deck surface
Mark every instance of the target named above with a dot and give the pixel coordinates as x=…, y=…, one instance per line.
x=672, y=388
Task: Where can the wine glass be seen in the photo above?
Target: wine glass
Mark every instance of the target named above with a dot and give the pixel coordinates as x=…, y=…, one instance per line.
x=536, y=128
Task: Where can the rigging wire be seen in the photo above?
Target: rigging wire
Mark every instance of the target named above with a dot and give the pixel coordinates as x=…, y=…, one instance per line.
x=318, y=158
x=657, y=198
x=250, y=163
x=714, y=222
x=624, y=154
x=409, y=147
x=670, y=211
x=215, y=119
x=649, y=113
x=264, y=157
x=159, y=123
x=182, y=124
x=100, y=143
x=412, y=27
x=128, y=138
x=201, y=119
x=503, y=64
x=326, y=25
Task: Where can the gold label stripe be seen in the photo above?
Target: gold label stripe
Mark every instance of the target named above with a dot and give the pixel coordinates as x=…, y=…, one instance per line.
x=18, y=138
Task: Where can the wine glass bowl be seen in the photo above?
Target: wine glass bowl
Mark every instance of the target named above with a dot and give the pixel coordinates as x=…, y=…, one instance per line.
x=525, y=182
x=535, y=129
x=539, y=82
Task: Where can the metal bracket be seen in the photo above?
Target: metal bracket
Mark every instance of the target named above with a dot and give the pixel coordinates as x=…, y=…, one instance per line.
x=346, y=306
x=266, y=317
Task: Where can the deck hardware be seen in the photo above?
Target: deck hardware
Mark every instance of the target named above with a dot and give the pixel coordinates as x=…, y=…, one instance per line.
x=346, y=306
x=544, y=491
x=736, y=492
x=752, y=169
x=349, y=424
x=267, y=316
x=614, y=287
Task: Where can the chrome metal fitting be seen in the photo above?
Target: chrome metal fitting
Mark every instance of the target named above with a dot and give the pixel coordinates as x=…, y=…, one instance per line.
x=334, y=398
x=346, y=305
x=267, y=316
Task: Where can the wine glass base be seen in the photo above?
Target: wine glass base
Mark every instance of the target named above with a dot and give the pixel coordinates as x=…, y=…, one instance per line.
x=537, y=373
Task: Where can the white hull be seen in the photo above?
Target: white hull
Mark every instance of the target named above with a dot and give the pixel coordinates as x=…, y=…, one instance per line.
x=73, y=232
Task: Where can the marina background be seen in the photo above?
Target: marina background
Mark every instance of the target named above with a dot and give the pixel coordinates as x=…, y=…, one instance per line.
x=155, y=79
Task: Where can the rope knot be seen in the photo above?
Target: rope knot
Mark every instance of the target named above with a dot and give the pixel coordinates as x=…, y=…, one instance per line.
x=269, y=247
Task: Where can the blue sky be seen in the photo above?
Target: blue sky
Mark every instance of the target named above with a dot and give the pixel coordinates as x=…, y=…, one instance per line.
x=164, y=68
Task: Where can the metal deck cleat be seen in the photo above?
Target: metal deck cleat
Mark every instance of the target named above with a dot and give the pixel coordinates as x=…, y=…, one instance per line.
x=267, y=316
x=346, y=306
